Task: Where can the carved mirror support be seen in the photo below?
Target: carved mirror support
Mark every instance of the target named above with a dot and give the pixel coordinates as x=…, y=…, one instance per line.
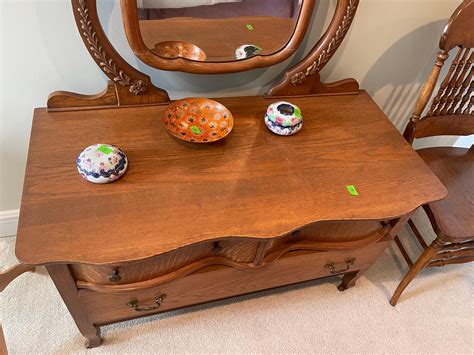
x=127, y=86
x=303, y=78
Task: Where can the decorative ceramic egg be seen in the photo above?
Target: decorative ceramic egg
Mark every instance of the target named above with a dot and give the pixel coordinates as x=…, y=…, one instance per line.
x=102, y=163
x=284, y=118
x=247, y=51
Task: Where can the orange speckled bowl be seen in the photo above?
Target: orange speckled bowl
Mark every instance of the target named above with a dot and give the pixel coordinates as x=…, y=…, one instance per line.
x=198, y=120
x=177, y=49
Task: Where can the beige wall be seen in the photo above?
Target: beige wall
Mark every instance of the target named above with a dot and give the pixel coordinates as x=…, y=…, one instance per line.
x=389, y=50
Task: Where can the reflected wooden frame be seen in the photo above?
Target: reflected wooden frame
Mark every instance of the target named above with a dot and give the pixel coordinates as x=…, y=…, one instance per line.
x=132, y=30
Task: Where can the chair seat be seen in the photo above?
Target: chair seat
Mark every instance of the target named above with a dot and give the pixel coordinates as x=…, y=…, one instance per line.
x=453, y=216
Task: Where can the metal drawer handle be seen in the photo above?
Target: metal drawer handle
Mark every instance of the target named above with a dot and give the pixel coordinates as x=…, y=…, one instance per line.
x=133, y=303
x=332, y=266
x=296, y=234
x=115, y=277
x=216, y=248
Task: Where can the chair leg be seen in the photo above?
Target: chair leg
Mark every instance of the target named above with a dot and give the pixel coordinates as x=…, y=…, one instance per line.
x=419, y=265
x=403, y=251
x=417, y=233
x=8, y=276
x=3, y=345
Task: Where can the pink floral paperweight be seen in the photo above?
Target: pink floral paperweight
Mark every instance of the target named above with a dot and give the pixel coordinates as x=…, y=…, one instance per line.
x=284, y=118
x=101, y=163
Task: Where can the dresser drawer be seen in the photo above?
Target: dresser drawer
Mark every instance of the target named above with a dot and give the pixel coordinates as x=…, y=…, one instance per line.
x=218, y=282
x=236, y=249
x=332, y=232
x=240, y=250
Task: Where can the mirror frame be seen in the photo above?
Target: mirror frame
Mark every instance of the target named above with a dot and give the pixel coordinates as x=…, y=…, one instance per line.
x=128, y=86
x=132, y=29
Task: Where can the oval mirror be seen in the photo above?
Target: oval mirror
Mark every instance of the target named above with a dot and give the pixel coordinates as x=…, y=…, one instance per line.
x=215, y=36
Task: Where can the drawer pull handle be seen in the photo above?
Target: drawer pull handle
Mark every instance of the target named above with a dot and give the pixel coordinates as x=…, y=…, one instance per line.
x=296, y=234
x=115, y=277
x=332, y=266
x=216, y=248
x=133, y=303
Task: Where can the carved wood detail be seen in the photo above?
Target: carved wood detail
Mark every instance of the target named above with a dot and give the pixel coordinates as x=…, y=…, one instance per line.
x=453, y=102
x=454, y=253
x=108, y=65
x=132, y=87
x=128, y=86
x=334, y=44
x=452, y=261
x=457, y=87
x=454, y=96
x=458, y=246
x=447, y=255
x=304, y=79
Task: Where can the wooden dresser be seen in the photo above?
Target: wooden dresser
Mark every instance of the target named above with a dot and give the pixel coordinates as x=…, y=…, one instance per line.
x=189, y=224
x=192, y=223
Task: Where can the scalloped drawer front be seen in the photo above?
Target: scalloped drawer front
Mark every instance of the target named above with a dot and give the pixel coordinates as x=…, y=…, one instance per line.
x=334, y=231
x=237, y=250
x=218, y=282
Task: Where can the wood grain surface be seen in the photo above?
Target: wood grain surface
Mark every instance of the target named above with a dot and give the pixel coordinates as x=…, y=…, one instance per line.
x=252, y=184
x=453, y=217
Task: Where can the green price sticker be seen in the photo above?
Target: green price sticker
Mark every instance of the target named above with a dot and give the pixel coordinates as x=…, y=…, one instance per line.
x=195, y=130
x=298, y=112
x=104, y=149
x=249, y=27
x=352, y=190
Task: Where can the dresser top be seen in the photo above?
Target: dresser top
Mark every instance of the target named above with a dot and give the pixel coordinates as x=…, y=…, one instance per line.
x=251, y=184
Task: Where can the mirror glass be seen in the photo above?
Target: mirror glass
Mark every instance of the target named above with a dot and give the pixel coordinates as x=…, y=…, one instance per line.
x=217, y=30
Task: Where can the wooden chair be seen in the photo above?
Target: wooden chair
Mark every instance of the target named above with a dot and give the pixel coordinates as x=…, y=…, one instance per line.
x=450, y=113
x=5, y=279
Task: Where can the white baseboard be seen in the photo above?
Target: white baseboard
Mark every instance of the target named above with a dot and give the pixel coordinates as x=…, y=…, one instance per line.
x=8, y=222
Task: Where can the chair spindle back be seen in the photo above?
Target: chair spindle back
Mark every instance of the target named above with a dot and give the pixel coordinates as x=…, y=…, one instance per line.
x=451, y=110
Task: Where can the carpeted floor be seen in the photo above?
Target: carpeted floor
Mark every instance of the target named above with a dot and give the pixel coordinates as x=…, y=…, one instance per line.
x=434, y=315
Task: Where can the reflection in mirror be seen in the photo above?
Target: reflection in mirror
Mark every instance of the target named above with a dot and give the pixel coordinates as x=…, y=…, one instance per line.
x=217, y=30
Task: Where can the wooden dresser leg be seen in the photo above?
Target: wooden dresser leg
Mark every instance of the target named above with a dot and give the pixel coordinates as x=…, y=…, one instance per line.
x=419, y=265
x=349, y=280
x=66, y=286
